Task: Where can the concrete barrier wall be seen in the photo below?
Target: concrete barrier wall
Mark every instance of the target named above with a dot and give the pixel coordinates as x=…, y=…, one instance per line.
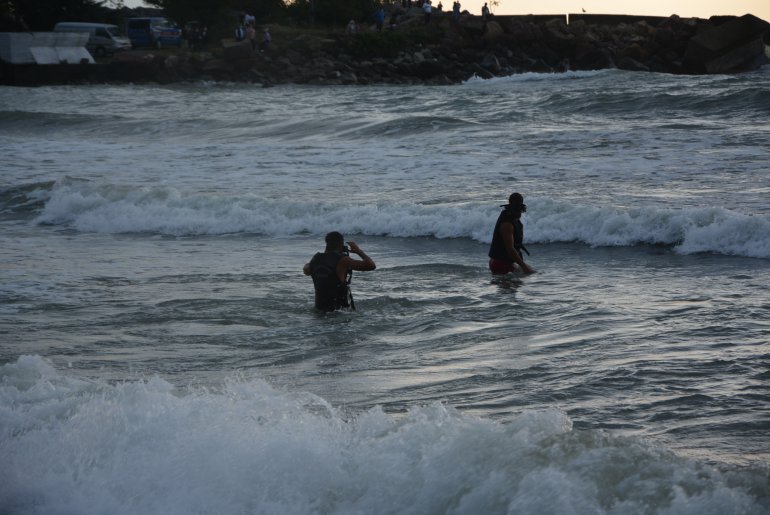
x=532, y=18
x=589, y=19
x=614, y=19
x=15, y=47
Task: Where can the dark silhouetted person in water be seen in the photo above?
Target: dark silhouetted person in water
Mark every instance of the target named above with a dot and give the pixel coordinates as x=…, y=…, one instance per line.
x=331, y=271
x=508, y=239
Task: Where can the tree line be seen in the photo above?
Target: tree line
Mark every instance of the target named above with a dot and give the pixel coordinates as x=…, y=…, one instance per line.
x=42, y=15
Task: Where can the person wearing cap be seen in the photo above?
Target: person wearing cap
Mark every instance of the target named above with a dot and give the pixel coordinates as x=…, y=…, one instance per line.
x=508, y=238
x=332, y=270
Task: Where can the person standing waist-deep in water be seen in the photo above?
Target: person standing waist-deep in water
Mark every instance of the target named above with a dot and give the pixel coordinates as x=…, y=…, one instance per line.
x=331, y=271
x=508, y=239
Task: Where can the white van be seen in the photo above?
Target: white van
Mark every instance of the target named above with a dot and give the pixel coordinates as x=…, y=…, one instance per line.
x=104, y=39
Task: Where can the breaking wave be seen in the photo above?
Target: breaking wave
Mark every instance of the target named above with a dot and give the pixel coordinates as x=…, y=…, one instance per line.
x=71, y=445
x=108, y=208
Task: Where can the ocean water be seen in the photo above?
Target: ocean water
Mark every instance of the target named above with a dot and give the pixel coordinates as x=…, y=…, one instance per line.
x=159, y=352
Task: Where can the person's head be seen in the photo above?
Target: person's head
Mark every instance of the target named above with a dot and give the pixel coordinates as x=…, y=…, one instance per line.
x=334, y=241
x=516, y=203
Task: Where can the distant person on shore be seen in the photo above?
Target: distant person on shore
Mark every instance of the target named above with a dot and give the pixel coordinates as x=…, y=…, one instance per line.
x=200, y=36
x=251, y=35
x=194, y=34
x=485, y=12
x=352, y=28
x=393, y=22
x=332, y=270
x=456, y=10
x=426, y=9
x=266, y=39
x=508, y=239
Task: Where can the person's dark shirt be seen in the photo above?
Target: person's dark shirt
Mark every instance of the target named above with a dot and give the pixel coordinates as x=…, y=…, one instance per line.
x=497, y=248
x=330, y=292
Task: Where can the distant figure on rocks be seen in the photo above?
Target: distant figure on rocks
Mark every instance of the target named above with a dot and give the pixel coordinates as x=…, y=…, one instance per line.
x=426, y=9
x=201, y=38
x=485, y=12
x=393, y=22
x=440, y=6
x=332, y=270
x=508, y=239
x=352, y=28
x=196, y=35
x=456, y=10
x=251, y=35
x=266, y=39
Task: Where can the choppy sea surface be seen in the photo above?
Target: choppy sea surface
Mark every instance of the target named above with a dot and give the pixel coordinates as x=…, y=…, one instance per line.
x=159, y=352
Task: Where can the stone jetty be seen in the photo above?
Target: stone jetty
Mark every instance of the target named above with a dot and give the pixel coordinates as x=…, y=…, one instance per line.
x=445, y=51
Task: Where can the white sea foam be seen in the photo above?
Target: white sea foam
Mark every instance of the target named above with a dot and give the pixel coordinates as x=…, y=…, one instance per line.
x=533, y=77
x=108, y=208
x=74, y=446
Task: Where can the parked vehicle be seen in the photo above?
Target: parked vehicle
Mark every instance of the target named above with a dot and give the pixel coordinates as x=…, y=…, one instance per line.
x=103, y=39
x=153, y=32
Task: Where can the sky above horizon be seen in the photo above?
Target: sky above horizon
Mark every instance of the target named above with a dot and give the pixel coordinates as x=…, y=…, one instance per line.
x=683, y=8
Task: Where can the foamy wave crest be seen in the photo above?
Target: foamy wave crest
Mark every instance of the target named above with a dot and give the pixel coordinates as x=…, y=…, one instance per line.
x=77, y=446
x=89, y=207
x=692, y=230
x=535, y=77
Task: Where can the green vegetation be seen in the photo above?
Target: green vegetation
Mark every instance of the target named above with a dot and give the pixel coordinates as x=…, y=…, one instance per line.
x=332, y=12
x=388, y=43
x=42, y=15
x=379, y=44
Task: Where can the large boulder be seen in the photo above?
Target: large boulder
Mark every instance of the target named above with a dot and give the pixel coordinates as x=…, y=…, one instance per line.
x=217, y=67
x=522, y=31
x=236, y=50
x=474, y=25
x=593, y=58
x=477, y=70
x=633, y=51
x=491, y=63
x=631, y=64
x=731, y=46
x=744, y=57
x=493, y=32
x=428, y=68
x=560, y=40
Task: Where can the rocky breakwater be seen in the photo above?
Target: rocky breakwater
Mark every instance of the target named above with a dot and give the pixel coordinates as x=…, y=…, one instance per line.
x=448, y=51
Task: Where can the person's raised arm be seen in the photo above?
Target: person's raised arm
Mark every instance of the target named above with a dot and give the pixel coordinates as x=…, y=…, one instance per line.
x=366, y=262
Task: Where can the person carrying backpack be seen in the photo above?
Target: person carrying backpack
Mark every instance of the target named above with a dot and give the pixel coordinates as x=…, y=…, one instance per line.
x=332, y=270
x=505, y=252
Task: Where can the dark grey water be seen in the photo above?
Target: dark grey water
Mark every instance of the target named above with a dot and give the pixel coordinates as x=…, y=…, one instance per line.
x=157, y=335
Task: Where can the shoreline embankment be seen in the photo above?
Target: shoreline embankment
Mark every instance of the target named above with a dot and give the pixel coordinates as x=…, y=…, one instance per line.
x=446, y=50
